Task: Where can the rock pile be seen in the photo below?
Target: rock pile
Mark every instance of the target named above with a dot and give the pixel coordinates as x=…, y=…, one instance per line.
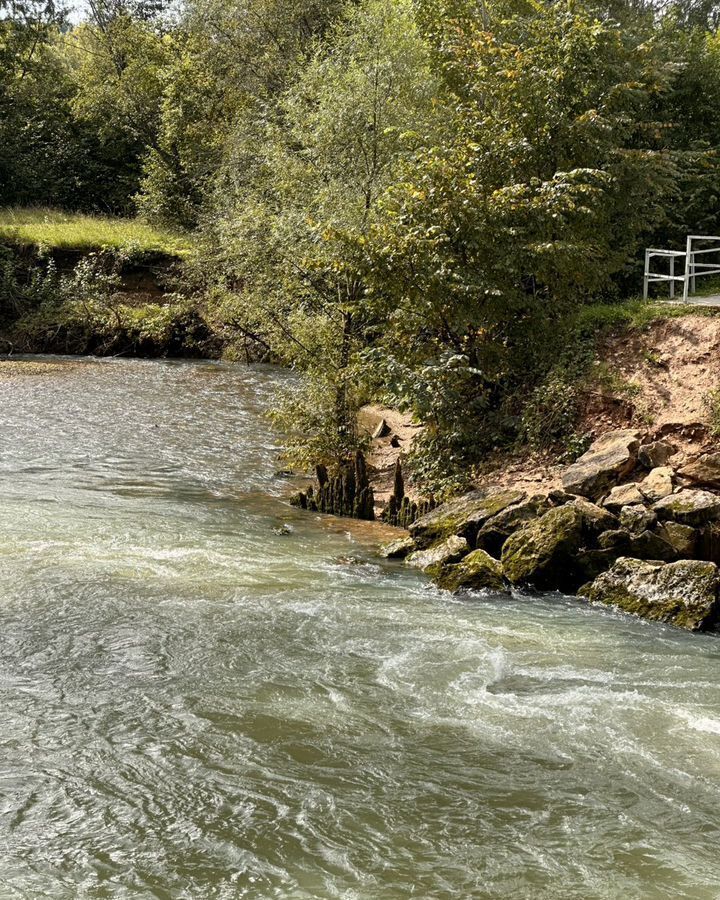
x=626, y=530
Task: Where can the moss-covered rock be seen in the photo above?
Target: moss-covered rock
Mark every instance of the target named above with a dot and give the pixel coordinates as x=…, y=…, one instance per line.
x=649, y=545
x=689, y=507
x=608, y=461
x=616, y=539
x=398, y=549
x=708, y=543
x=595, y=519
x=589, y=563
x=637, y=519
x=683, y=593
x=462, y=516
x=498, y=529
x=683, y=538
x=475, y=572
x=543, y=552
x=444, y=552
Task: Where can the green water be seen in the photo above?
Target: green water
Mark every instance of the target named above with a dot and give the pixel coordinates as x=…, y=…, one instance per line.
x=195, y=707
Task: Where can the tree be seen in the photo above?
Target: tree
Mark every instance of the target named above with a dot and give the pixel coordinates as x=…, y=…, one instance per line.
x=534, y=198
x=305, y=180
x=232, y=63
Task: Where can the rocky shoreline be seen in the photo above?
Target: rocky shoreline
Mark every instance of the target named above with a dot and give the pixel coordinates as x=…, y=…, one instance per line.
x=627, y=529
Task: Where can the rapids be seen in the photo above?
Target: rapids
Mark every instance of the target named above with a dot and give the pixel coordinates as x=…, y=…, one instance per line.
x=194, y=706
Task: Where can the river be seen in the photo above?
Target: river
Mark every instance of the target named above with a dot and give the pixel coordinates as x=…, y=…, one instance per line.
x=194, y=706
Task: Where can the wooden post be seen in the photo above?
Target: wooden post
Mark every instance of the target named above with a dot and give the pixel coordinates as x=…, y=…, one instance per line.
x=645, y=277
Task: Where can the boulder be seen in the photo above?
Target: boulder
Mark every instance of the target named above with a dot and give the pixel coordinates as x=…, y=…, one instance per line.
x=475, y=572
x=708, y=543
x=704, y=470
x=618, y=539
x=558, y=497
x=444, y=552
x=655, y=454
x=658, y=484
x=649, y=545
x=689, y=507
x=498, y=529
x=683, y=593
x=462, y=516
x=595, y=519
x=682, y=538
x=590, y=563
x=398, y=549
x=609, y=459
x=623, y=495
x=542, y=552
x=637, y=518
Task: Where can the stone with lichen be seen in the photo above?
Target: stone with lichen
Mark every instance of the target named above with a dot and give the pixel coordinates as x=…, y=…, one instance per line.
x=463, y=516
x=683, y=593
x=542, y=553
x=475, y=572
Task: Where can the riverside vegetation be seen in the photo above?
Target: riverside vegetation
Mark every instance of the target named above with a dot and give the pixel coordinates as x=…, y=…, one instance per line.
x=434, y=204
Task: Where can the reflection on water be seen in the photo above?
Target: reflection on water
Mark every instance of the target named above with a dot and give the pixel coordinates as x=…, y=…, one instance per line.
x=197, y=707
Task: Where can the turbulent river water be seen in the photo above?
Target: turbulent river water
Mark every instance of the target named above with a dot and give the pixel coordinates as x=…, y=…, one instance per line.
x=196, y=707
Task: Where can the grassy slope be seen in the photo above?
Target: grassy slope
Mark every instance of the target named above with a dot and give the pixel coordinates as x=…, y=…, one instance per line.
x=76, y=231
x=133, y=317
x=633, y=314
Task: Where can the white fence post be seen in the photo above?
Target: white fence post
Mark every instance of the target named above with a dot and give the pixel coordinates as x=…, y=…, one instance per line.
x=672, y=276
x=686, y=281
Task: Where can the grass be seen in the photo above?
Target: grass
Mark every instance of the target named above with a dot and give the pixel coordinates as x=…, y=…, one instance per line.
x=60, y=230
x=633, y=314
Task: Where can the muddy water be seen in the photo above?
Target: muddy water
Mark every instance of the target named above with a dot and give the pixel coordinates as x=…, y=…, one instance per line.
x=196, y=707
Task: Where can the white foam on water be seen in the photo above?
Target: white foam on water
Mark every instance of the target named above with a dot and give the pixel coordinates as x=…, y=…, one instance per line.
x=194, y=706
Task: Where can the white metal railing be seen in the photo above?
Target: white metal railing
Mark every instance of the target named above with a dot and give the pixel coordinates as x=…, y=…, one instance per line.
x=692, y=269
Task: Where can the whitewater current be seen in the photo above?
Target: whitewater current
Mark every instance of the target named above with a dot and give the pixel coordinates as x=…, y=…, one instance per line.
x=196, y=706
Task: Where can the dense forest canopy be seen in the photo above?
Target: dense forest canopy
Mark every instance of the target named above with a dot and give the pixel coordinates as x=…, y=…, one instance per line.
x=403, y=199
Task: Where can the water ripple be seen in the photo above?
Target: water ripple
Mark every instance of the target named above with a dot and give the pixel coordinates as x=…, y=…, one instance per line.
x=195, y=707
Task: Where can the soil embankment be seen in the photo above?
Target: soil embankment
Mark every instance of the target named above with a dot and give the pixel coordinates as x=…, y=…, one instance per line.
x=661, y=379
x=634, y=522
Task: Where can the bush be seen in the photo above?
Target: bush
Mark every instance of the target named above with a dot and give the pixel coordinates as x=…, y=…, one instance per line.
x=551, y=413
x=87, y=310
x=315, y=430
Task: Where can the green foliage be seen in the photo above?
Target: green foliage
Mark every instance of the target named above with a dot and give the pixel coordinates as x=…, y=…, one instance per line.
x=78, y=108
x=612, y=383
x=433, y=202
x=595, y=319
x=88, y=309
x=299, y=194
x=307, y=414
x=550, y=415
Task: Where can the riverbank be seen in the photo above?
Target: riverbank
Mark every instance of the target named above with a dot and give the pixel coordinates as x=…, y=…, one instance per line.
x=633, y=522
x=79, y=284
